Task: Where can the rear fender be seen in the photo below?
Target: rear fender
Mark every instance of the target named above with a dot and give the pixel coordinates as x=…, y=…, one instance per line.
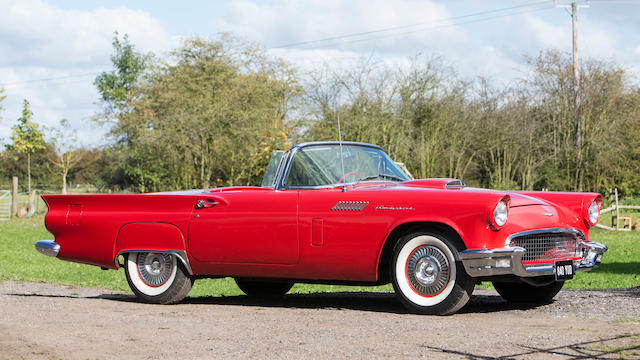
x=151, y=236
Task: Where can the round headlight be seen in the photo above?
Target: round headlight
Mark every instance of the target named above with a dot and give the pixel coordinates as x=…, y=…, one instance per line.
x=500, y=213
x=594, y=212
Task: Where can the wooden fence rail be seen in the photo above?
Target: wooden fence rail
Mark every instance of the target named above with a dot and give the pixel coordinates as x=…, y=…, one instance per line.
x=614, y=209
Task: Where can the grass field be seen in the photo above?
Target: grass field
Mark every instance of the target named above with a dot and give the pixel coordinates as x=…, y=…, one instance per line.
x=21, y=262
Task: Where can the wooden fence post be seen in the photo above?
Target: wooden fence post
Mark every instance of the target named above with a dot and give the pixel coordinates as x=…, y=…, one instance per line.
x=617, y=210
x=14, y=196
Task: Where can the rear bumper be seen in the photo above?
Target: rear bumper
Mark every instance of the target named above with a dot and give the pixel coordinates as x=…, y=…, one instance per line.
x=508, y=261
x=48, y=247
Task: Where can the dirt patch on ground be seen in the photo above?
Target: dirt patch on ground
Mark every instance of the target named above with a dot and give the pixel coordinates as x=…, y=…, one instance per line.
x=42, y=321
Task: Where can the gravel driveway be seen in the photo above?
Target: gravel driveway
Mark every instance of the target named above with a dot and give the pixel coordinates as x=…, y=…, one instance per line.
x=42, y=321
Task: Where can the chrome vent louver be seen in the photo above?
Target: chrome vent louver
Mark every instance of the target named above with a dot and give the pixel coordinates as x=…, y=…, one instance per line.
x=349, y=206
x=454, y=184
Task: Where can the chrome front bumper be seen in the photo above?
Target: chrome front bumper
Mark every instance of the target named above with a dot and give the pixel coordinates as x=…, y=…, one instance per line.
x=48, y=247
x=508, y=261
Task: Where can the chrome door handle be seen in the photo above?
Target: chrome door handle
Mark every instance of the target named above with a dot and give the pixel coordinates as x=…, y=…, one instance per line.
x=205, y=204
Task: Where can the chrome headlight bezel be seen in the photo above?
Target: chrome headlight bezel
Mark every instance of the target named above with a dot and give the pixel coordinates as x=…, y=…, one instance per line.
x=499, y=214
x=593, y=213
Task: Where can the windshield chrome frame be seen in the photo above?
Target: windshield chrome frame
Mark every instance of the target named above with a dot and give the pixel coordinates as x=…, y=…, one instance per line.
x=282, y=173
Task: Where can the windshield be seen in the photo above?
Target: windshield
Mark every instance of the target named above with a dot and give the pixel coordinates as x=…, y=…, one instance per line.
x=321, y=165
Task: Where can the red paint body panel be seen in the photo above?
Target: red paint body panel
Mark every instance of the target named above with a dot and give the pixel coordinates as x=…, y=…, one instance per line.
x=149, y=236
x=246, y=227
x=261, y=232
x=93, y=239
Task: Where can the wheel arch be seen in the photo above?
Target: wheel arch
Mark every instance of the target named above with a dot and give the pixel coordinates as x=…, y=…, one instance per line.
x=160, y=237
x=384, y=257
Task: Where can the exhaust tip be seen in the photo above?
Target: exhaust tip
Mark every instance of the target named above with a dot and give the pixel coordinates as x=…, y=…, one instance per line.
x=48, y=247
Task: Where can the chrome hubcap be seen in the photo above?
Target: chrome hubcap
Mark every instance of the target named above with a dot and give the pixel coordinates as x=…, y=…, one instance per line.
x=428, y=270
x=154, y=268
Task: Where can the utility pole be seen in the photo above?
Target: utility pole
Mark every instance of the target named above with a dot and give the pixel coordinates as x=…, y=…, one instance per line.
x=576, y=94
x=577, y=103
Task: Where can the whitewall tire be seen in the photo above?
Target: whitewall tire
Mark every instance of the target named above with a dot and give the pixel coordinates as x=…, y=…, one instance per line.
x=428, y=276
x=157, y=278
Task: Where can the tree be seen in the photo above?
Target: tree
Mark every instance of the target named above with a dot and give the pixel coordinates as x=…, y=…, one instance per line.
x=66, y=155
x=213, y=114
x=115, y=87
x=26, y=137
x=2, y=97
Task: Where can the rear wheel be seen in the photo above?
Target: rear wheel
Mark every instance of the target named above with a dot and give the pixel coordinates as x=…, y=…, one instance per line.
x=157, y=278
x=263, y=288
x=427, y=275
x=526, y=293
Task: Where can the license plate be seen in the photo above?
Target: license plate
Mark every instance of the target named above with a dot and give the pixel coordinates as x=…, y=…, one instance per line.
x=564, y=270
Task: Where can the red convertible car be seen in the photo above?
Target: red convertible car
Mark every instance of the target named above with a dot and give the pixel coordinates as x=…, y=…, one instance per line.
x=330, y=212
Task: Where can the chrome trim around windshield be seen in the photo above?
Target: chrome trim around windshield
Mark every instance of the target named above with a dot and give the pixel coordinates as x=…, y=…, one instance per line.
x=281, y=175
x=180, y=254
x=281, y=167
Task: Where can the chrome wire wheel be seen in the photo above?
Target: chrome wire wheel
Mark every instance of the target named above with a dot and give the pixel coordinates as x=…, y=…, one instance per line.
x=151, y=273
x=426, y=276
x=155, y=268
x=428, y=270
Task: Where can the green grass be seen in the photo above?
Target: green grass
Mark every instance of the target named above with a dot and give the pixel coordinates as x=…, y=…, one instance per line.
x=19, y=261
x=621, y=263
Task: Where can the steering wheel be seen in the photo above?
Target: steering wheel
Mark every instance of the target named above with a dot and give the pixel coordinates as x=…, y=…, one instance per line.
x=348, y=174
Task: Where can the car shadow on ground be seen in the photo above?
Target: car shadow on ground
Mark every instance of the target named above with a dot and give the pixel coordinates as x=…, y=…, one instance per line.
x=621, y=346
x=619, y=268
x=362, y=301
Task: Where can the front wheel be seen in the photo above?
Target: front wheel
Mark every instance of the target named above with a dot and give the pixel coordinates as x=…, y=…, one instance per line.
x=427, y=275
x=157, y=278
x=526, y=293
x=263, y=288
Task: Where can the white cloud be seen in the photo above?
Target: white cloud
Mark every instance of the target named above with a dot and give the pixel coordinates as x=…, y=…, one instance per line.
x=546, y=34
x=290, y=21
x=39, y=41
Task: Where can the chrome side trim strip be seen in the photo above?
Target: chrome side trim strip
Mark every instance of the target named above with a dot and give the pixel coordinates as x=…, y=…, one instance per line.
x=48, y=247
x=180, y=254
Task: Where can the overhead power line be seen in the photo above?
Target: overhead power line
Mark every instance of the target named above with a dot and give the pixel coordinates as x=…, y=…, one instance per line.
x=51, y=79
x=383, y=33
x=427, y=28
x=301, y=43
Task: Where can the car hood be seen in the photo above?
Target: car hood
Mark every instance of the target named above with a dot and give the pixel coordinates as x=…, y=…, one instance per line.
x=517, y=199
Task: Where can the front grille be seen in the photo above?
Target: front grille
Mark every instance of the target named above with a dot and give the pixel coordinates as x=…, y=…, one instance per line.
x=547, y=247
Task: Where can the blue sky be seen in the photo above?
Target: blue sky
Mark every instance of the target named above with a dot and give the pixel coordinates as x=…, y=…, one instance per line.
x=51, y=39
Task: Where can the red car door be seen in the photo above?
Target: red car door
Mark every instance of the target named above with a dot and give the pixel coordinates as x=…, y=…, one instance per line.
x=258, y=227
x=341, y=233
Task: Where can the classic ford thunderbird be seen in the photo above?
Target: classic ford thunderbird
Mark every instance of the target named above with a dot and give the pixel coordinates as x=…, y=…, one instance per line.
x=330, y=212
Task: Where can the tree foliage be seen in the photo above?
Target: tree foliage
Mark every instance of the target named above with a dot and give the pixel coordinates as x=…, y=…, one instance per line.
x=2, y=97
x=115, y=87
x=26, y=137
x=66, y=154
x=211, y=112
x=210, y=115
x=519, y=137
